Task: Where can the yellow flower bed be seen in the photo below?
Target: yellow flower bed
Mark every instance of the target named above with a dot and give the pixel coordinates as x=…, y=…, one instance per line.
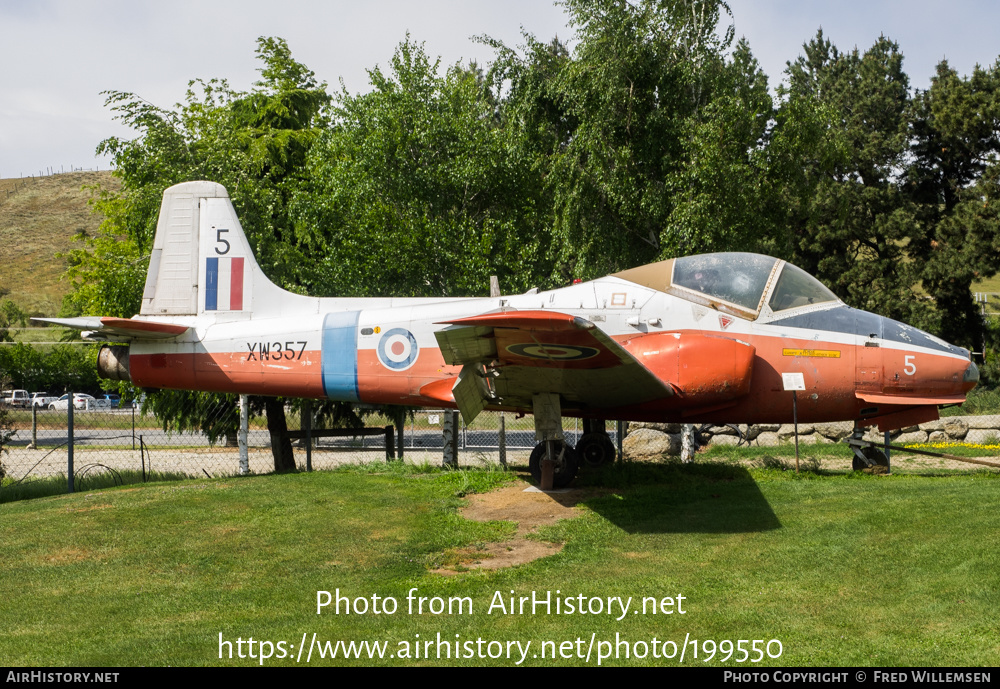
x=945, y=446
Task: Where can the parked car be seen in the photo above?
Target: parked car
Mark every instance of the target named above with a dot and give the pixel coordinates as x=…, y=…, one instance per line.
x=42, y=399
x=80, y=401
x=16, y=398
x=113, y=398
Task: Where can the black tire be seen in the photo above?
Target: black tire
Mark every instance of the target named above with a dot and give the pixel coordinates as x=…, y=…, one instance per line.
x=567, y=463
x=596, y=449
x=875, y=455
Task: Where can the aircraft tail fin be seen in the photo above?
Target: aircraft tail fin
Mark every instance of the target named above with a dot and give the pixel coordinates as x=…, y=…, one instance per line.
x=201, y=262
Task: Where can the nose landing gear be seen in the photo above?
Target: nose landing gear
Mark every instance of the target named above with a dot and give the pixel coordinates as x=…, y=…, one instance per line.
x=867, y=455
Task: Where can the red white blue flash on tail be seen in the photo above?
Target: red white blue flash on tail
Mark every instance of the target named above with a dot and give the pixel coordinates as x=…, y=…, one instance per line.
x=223, y=284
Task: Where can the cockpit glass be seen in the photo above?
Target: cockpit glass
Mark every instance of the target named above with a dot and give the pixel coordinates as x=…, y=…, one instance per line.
x=796, y=287
x=736, y=278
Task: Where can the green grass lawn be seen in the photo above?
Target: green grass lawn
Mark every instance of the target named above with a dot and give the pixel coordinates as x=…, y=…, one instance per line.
x=841, y=568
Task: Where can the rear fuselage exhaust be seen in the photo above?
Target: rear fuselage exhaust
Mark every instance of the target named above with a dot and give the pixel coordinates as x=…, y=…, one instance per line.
x=112, y=363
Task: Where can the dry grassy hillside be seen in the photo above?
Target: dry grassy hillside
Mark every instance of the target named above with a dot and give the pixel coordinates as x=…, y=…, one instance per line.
x=38, y=219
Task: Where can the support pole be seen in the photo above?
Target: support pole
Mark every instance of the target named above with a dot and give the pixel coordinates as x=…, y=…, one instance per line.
x=69, y=432
x=795, y=420
x=242, y=436
x=34, y=427
x=503, y=442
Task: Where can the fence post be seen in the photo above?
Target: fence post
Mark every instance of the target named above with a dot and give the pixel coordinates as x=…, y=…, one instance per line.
x=389, y=453
x=69, y=432
x=503, y=442
x=242, y=436
x=34, y=427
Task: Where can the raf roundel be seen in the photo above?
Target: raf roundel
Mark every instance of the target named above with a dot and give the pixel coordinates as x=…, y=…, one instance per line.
x=553, y=352
x=397, y=349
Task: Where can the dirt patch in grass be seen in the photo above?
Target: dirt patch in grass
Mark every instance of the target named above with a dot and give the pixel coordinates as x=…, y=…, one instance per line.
x=529, y=509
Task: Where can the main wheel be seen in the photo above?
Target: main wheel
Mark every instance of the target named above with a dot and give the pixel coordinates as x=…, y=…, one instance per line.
x=567, y=461
x=596, y=449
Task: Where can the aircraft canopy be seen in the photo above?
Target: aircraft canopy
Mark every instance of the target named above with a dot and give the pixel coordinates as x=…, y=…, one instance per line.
x=734, y=282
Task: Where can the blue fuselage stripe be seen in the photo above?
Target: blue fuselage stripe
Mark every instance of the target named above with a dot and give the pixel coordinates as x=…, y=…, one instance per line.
x=340, y=356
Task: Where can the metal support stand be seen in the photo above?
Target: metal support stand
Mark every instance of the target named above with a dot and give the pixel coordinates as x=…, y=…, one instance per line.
x=795, y=420
x=242, y=436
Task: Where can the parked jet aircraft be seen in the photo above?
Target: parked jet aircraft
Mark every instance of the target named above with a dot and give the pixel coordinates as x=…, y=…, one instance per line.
x=697, y=339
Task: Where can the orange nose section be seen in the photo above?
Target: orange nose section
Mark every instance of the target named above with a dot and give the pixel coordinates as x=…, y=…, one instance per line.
x=922, y=374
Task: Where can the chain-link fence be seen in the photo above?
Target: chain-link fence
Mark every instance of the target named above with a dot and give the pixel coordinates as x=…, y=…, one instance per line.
x=42, y=443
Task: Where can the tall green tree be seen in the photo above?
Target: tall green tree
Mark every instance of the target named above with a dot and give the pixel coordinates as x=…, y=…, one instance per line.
x=841, y=141
x=954, y=181
x=11, y=316
x=646, y=130
x=416, y=190
x=255, y=144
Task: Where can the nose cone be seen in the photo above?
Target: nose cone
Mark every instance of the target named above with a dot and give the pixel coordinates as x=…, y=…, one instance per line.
x=971, y=377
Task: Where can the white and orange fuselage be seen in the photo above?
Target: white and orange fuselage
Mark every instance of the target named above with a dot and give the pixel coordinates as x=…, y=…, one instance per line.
x=694, y=339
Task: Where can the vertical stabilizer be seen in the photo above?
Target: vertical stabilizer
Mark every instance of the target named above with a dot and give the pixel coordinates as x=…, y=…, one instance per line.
x=201, y=262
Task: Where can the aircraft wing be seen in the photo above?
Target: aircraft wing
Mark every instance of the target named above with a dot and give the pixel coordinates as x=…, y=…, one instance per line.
x=120, y=329
x=509, y=356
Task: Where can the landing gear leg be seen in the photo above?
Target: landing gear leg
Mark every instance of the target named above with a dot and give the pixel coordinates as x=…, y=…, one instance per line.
x=866, y=456
x=553, y=463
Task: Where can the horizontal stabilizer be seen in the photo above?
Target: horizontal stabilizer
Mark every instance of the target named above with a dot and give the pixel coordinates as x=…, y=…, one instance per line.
x=108, y=328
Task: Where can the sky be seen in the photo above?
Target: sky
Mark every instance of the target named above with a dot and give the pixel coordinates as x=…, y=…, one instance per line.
x=59, y=55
